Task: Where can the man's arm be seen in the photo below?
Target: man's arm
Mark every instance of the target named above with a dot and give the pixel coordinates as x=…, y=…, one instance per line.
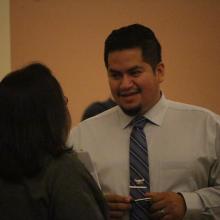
x=202, y=202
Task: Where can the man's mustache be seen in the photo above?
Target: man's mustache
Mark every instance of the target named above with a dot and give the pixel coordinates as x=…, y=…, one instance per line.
x=125, y=93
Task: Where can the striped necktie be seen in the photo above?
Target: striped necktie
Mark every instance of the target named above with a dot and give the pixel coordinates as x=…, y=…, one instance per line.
x=139, y=169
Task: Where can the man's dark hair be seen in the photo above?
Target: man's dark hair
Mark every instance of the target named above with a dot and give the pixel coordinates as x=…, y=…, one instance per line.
x=134, y=36
x=34, y=121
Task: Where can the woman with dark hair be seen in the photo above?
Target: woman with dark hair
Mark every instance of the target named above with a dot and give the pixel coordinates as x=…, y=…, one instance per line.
x=40, y=178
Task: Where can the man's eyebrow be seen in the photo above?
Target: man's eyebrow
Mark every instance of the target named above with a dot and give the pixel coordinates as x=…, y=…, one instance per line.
x=134, y=68
x=127, y=70
x=113, y=71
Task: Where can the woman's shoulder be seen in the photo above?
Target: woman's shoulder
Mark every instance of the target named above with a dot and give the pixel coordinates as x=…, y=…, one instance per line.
x=66, y=164
x=69, y=178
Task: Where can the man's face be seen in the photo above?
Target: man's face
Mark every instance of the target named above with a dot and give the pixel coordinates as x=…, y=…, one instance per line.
x=134, y=85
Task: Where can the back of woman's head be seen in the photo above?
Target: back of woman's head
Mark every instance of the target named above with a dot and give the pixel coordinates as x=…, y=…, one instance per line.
x=34, y=120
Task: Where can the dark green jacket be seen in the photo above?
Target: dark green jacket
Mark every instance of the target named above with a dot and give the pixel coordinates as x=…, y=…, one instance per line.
x=64, y=190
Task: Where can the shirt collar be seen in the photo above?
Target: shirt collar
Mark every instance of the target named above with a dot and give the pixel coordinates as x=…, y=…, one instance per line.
x=155, y=114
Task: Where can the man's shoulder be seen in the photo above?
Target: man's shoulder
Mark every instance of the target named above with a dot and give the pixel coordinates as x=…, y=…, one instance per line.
x=98, y=122
x=94, y=128
x=184, y=108
x=106, y=116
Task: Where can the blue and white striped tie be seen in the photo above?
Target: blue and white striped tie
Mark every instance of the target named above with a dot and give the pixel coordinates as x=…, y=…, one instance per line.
x=139, y=169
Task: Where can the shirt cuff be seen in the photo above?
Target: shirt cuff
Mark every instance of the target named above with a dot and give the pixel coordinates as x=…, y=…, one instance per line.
x=194, y=206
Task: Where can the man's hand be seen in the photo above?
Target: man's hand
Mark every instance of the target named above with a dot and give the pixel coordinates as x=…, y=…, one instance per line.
x=118, y=205
x=167, y=206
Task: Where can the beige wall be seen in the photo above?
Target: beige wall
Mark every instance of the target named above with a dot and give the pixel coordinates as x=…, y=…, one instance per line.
x=68, y=36
x=5, y=58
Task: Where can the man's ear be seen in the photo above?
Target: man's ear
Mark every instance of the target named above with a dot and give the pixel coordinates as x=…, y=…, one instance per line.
x=160, y=72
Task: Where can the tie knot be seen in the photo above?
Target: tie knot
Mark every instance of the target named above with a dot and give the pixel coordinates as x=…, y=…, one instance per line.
x=139, y=122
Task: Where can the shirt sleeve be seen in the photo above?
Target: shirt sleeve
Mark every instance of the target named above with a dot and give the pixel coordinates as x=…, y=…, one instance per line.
x=206, y=201
x=74, y=140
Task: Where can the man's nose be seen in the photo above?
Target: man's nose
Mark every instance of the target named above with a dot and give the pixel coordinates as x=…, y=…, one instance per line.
x=126, y=82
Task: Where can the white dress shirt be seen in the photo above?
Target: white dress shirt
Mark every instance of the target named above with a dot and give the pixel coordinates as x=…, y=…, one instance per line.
x=183, y=147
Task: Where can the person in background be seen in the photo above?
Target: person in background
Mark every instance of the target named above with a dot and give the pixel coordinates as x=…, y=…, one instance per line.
x=40, y=178
x=96, y=108
x=155, y=158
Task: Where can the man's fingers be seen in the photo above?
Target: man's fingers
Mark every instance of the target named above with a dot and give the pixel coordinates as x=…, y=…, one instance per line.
x=155, y=196
x=167, y=205
x=157, y=206
x=117, y=198
x=119, y=206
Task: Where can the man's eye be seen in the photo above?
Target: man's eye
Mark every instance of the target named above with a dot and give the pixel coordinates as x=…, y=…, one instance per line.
x=115, y=75
x=135, y=73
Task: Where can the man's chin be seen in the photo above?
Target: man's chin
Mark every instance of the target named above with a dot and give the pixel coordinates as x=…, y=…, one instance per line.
x=131, y=111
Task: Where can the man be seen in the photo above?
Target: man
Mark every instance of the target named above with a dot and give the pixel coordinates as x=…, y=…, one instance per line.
x=182, y=141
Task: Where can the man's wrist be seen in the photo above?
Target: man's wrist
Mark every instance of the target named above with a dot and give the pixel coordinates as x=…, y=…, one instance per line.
x=194, y=206
x=184, y=202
